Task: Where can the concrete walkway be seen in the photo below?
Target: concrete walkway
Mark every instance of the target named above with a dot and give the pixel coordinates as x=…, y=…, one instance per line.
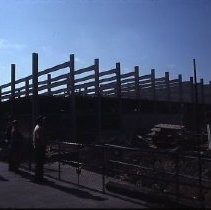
x=19, y=191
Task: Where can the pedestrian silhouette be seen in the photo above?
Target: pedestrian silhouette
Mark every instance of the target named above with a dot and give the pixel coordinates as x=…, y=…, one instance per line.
x=8, y=130
x=39, y=144
x=15, y=146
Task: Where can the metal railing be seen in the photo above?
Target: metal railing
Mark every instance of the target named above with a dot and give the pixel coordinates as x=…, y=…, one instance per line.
x=171, y=174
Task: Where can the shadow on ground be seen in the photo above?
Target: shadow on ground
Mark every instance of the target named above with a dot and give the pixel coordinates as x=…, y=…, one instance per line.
x=107, y=193
x=73, y=191
x=3, y=179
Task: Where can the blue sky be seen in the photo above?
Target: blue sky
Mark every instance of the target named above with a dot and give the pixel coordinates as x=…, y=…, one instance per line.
x=161, y=34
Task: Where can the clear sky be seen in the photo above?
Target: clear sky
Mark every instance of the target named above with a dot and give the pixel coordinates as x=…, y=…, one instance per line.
x=161, y=34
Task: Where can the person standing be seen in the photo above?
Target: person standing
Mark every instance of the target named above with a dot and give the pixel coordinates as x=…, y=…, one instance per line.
x=15, y=146
x=39, y=144
x=8, y=130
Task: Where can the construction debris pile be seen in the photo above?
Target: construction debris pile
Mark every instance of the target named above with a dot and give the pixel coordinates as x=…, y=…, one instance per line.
x=156, y=172
x=168, y=136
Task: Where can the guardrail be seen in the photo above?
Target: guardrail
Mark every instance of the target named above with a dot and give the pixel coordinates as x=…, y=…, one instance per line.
x=147, y=169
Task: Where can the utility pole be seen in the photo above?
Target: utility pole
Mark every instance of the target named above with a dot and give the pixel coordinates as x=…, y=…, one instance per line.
x=196, y=124
x=195, y=82
x=13, y=91
x=197, y=130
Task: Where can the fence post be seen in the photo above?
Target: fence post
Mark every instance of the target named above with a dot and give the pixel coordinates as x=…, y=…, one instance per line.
x=97, y=83
x=34, y=95
x=209, y=90
x=167, y=86
x=34, y=88
x=191, y=90
x=128, y=90
x=180, y=88
x=118, y=80
x=68, y=85
x=153, y=84
x=168, y=90
x=137, y=93
x=0, y=94
x=27, y=87
x=118, y=92
x=153, y=90
x=208, y=98
x=202, y=91
x=101, y=90
x=19, y=94
x=49, y=84
x=12, y=89
x=85, y=91
x=72, y=97
x=97, y=93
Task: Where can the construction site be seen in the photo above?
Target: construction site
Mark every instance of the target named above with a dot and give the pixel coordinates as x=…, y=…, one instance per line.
x=141, y=136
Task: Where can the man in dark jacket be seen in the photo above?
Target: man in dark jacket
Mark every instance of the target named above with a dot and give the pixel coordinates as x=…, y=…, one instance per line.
x=15, y=147
x=39, y=144
x=8, y=130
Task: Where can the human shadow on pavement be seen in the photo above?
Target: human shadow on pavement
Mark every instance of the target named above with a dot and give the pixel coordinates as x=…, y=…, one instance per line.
x=30, y=176
x=98, y=191
x=3, y=179
x=78, y=192
x=73, y=191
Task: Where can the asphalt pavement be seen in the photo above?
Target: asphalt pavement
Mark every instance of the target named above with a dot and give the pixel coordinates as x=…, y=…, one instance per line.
x=18, y=190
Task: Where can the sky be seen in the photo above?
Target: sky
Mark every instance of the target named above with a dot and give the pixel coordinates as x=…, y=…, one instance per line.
x=162, y=34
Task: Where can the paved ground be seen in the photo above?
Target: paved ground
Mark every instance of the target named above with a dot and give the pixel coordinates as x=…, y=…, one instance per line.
x=19, y=191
